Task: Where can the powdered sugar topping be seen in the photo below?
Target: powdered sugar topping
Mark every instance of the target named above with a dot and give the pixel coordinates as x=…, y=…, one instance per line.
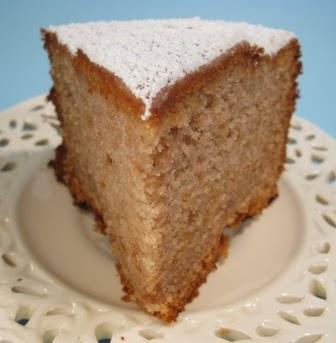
x=151, y=54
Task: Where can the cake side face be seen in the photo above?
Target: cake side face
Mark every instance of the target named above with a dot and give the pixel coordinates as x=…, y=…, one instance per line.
x=165, y=188
x=150, y=55
x=221, y=152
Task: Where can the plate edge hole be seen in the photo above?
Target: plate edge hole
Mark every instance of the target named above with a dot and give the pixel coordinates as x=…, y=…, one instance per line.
x=289, y=317
x=264, y=331
x=323, y=247
x=318, y=267
x=49, y=336
x=317, y=289
x=321, y=200
x=10, y=259
x=313, y=311
x=289, y=299
x=24, y=314
x=231, y=335
x=104, y=332
x=4, y=142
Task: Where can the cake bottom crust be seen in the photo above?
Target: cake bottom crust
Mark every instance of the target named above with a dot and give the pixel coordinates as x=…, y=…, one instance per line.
x=165, y=310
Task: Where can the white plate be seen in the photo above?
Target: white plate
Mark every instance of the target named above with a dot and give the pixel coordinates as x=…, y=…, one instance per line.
x=58, y=282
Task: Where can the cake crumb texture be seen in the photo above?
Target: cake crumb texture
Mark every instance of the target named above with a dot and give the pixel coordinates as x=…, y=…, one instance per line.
x=164, y=189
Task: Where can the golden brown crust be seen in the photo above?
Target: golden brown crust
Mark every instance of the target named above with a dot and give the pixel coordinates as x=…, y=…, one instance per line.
x=64, y=174
x=100, y=80
x=242, y=54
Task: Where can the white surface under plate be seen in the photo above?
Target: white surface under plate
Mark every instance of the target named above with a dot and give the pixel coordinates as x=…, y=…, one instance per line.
x=58, y=282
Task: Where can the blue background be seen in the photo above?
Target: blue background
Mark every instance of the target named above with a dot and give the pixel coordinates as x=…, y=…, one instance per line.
x=24, y=65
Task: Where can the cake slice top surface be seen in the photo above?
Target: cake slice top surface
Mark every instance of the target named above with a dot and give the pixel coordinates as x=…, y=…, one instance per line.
x=149, y=55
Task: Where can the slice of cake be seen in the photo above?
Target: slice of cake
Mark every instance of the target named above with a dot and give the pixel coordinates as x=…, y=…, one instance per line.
x=172, y=131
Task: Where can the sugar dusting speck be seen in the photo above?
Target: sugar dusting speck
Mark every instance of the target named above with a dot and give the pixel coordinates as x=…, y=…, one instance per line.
x=151, y=54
